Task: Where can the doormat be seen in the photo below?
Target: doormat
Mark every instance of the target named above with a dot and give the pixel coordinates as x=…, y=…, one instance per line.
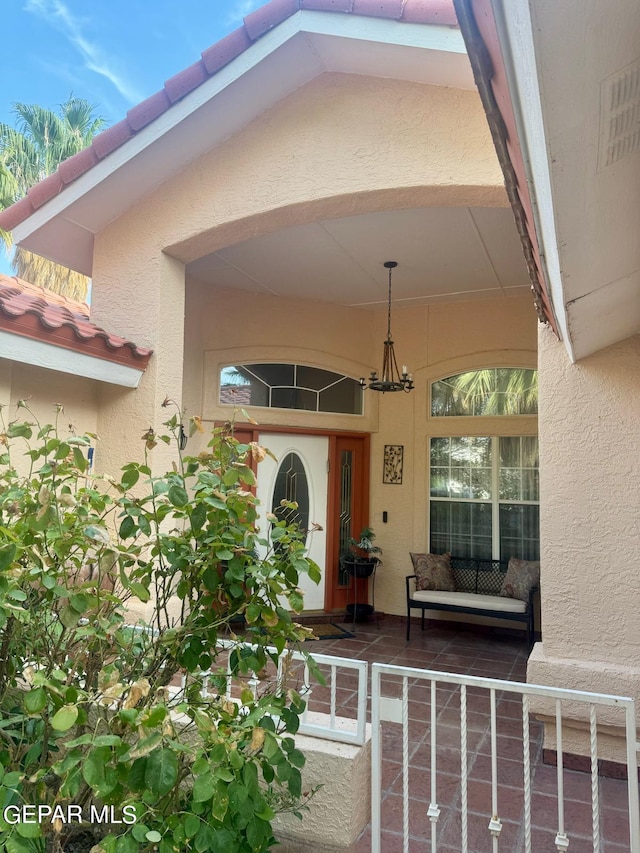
x=328, y=631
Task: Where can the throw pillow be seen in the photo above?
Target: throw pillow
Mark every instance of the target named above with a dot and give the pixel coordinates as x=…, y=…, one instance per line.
x=522, y=576
x=433, y=571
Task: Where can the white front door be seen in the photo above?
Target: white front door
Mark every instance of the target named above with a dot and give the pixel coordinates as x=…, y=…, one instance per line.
x=299, y=474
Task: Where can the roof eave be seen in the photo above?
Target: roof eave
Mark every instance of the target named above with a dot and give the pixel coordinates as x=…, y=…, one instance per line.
x=38, y=353
x=490, y=55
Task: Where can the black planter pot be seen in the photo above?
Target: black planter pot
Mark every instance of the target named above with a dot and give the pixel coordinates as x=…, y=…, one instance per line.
x=360, y=568
x=362, y=611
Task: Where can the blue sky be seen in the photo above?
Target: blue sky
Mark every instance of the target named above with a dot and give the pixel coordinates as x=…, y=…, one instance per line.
x=114, y=53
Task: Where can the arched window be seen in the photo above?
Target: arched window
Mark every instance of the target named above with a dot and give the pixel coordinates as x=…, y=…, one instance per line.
x=290, y=386
x=491, y=391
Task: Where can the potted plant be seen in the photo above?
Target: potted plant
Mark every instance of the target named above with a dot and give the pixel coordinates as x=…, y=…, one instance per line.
x=361, y=559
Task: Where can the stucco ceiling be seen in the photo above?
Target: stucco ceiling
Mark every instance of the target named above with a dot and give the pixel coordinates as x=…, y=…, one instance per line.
x=442, y=254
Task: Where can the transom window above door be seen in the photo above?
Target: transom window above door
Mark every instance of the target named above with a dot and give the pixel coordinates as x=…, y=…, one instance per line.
x=490, y=391
x=290, y=386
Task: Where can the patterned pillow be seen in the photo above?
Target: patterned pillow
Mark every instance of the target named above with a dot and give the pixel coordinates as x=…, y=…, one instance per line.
x=522, y=576
x=433, y=571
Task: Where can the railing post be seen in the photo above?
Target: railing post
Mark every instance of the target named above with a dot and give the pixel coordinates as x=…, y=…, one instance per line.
x=526, y=761
x=433, y=811
x=595, y=797
x=632, y=777
x=464, y=817
x=495, y=824
x=562, y=842
x=376, y=759
x=405, y=764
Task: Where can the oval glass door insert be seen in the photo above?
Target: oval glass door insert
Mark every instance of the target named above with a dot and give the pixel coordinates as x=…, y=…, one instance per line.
x=292, y=485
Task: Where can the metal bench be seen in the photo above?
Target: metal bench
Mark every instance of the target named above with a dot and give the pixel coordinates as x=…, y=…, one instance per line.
x=478, y=585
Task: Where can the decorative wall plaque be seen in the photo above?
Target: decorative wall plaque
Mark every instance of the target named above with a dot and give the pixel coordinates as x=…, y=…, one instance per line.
x=393, y=456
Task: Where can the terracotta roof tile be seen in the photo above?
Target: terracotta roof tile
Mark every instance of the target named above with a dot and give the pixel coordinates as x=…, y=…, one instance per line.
x=39, y=314
x=226, y=50
x=378, y=8
x=480, y=32
x=327, y=5
x=143, y=114
x=214, y=58
x=186, y=81
x=111, y=138
x=45, y=190
x=16, y=214
x=77, y=165
x=429, y=12
x=269, y=16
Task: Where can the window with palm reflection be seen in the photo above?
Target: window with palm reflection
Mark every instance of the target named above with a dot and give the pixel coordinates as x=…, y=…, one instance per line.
x=490, y=391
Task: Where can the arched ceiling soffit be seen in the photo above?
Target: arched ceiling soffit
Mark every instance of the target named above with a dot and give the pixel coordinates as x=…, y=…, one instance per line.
x=278, y=219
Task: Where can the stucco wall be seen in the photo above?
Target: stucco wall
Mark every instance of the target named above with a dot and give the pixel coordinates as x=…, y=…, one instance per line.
x=341, y=808
x=42, y=390
x=433, y=340
x=590, y=518
x=6, y=376
x=125, y=414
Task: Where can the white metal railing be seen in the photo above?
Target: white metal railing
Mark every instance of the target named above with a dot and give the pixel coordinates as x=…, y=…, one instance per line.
x=395, y=709
x=314, y=722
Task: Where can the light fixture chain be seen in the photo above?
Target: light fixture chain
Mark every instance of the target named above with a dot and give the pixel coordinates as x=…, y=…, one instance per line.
x=389, y=310
x=392, y=379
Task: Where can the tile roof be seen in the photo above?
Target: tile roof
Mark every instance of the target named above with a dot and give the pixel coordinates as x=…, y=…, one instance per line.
x=212, y=60
x=44, y=316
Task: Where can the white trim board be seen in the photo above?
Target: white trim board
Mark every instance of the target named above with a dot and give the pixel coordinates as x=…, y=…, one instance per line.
x=40, y=354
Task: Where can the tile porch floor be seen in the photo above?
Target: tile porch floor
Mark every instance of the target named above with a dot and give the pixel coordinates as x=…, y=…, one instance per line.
x=493, y=655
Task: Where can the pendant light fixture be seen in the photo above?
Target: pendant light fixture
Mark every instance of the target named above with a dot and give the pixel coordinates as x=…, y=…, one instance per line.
x=391, y=379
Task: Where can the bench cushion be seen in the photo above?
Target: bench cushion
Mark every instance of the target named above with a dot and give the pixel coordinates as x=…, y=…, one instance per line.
x=471, y=599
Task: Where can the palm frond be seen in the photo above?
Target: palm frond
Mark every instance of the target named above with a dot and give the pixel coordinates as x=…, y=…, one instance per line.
x=490, y=391
x=8, y=194
x=44, y=273
x=8, y=187
x=21, y=158
x=78, y=115
x=29, y=152
x=46, y=131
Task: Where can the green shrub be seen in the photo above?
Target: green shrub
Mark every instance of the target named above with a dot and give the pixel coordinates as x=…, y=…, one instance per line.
x=87, y=717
